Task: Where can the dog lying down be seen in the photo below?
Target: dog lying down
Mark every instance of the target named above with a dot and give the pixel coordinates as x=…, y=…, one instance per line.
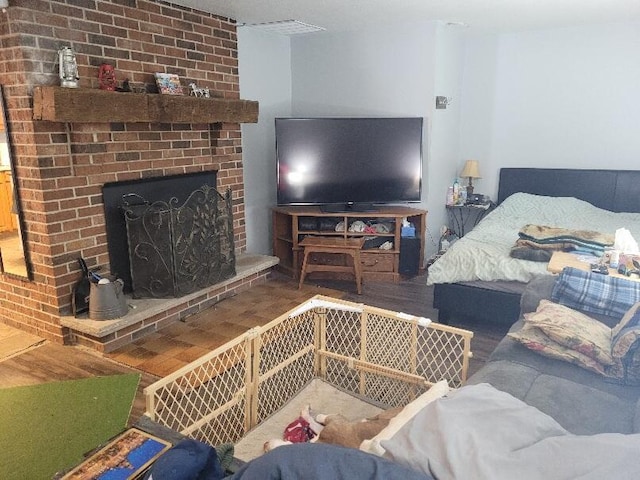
x=333, y=429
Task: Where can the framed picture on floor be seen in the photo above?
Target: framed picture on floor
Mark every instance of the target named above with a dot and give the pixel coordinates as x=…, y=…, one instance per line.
x=125, y=458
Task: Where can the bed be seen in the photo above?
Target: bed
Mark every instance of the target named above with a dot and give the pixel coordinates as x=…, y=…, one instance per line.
x=499, y=299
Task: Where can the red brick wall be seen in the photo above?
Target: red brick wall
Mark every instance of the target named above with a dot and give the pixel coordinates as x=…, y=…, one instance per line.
x=62, y=167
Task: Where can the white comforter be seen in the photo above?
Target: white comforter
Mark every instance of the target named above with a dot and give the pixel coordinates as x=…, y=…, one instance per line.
x=483, y=254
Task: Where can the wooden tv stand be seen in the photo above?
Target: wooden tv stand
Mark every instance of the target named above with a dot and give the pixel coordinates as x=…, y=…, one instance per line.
x=292, y=224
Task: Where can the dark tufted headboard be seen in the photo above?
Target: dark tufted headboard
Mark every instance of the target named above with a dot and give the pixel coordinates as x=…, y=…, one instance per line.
x=614, y=190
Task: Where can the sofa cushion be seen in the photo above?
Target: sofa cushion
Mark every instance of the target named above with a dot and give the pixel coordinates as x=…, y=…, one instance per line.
x=625, y=341
x=579, y=408
x=573, y=330
x=535, y=339
x=595, y=293
x=625, y=348
x=636, y=419
x=515, y=369
x=511, y=377
x=630, y=319
x=538, y=288
x=626, y=354
x=513, y=351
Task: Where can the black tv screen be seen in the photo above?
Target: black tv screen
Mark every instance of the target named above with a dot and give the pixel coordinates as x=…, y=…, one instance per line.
x=348, y=161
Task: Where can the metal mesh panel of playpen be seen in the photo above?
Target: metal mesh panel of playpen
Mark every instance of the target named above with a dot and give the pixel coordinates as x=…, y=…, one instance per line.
x=386, y=357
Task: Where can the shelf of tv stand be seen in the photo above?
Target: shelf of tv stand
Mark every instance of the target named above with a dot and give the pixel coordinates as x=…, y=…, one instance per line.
x=377, y=264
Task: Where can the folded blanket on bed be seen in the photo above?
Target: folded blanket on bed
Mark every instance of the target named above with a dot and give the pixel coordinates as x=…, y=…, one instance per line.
x=553, y=238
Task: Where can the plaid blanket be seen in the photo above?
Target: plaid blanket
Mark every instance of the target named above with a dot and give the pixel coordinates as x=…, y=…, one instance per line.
x=595, y=293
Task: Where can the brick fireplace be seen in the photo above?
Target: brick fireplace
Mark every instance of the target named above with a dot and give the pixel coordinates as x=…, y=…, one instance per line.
x=62, y=166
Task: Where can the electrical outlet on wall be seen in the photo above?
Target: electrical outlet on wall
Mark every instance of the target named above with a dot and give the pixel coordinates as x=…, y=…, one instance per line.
x=441, y=102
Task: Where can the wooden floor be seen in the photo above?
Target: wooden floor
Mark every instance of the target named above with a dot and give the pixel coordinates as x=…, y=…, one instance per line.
x=166, y=351
x=178, y=344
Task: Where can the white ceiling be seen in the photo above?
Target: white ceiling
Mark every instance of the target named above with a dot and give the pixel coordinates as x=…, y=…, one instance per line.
x=491, y=15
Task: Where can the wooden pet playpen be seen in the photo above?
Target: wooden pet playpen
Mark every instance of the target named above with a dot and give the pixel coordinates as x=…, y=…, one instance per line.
x=385, y=357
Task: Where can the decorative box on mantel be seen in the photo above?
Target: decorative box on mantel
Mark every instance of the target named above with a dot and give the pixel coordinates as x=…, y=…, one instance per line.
x=57, y=104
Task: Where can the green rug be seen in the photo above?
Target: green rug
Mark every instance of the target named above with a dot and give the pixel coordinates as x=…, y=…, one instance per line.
x=45, y=429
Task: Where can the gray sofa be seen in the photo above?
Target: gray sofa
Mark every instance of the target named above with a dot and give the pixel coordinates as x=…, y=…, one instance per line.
x=581, y=401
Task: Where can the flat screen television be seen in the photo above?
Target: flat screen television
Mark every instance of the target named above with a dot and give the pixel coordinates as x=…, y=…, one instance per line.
x=344, y=164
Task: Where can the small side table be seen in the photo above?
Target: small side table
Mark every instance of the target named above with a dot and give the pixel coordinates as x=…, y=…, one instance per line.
x=337, y=245
x=462, y=218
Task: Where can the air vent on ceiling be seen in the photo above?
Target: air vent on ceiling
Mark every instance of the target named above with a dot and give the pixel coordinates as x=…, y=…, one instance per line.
x=285, y=27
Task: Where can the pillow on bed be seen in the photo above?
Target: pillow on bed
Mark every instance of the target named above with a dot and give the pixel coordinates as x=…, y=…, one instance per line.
x=595, y=293
x=573, y=330
x=534, y=339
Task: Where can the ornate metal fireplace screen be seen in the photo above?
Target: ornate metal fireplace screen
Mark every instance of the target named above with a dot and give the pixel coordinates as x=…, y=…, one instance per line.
x=175, y=250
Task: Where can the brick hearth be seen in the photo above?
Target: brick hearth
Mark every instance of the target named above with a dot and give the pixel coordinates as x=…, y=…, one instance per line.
x=61, y=167
x=147, y=316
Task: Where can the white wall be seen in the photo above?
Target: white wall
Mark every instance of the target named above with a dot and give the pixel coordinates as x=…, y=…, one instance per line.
x=557, y=98
x=264, y=62
x=364, y=72
x=446, y=161
x=477, y=107
x=560, y=98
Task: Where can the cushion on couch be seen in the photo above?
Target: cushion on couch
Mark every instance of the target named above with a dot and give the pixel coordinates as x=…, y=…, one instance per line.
x=573, y=330
x=636, y=419
x=625, y=341
x=579, y=397
x=626, y=354
x=630, y=319
x=535, y=339
x=627, y=369
x=595, y=293
x=625, y=348
x=540, y=287
x=581, y=408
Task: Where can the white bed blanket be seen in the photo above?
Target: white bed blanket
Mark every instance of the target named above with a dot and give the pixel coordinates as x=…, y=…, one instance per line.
x=483, y=254
x=481, y=433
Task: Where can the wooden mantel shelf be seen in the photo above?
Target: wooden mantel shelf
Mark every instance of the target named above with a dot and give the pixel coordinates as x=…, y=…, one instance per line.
x=82, y=105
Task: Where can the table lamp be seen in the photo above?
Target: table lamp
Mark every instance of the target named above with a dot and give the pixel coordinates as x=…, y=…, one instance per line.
x=470, y=171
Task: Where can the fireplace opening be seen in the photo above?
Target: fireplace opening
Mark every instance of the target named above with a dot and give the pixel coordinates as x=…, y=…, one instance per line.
x=169, y=236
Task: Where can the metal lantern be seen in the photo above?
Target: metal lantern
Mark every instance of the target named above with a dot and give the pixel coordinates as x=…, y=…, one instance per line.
x=68, y=68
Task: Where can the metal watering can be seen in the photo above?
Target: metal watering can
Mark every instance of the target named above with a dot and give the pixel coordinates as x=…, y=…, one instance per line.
x=107, y=300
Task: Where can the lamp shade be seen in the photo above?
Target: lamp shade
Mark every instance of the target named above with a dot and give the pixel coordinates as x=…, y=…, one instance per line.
x=471, y=169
